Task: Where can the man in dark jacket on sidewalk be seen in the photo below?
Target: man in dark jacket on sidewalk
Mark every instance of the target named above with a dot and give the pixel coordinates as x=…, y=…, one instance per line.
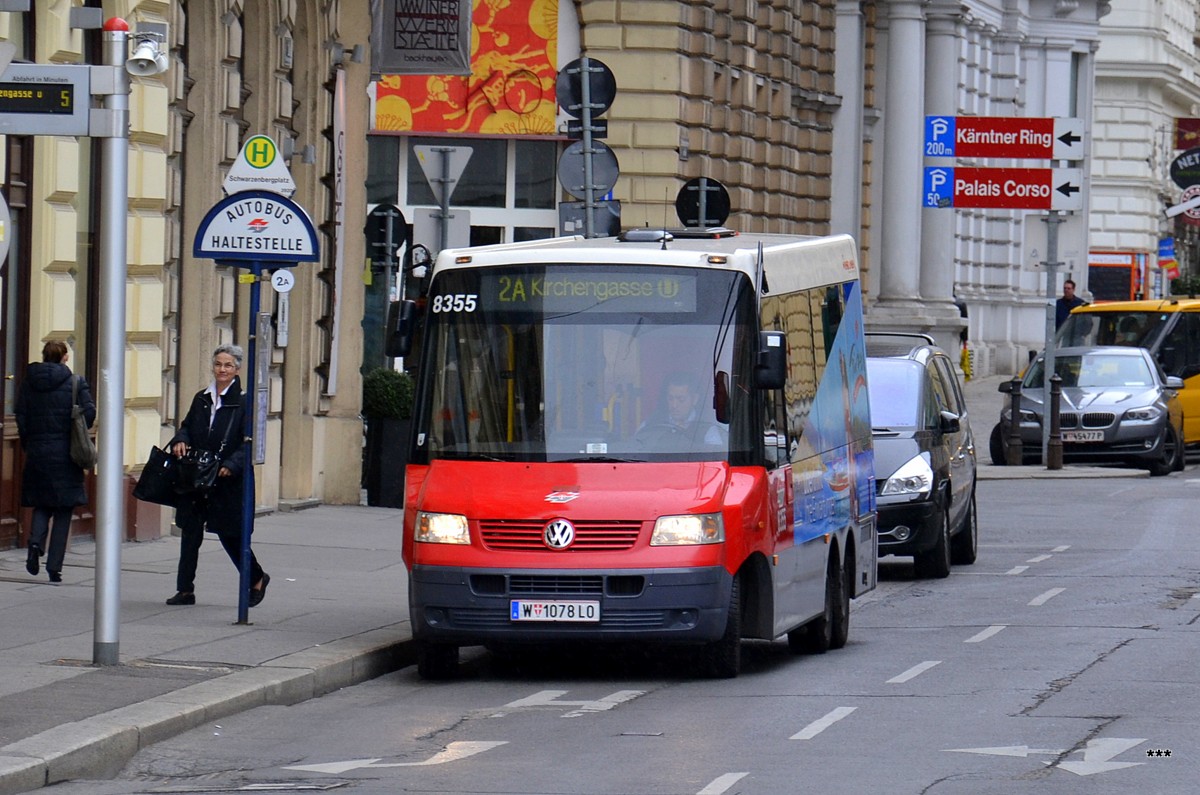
x=52, y=484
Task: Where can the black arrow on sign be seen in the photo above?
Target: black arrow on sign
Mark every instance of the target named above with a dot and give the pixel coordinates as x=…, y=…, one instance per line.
x=1069, y=138
x=1066, y=189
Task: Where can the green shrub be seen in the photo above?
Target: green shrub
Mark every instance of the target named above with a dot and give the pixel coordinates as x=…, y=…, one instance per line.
x=387, y=394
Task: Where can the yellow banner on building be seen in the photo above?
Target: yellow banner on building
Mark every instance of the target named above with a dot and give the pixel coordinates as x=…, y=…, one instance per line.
x=510, y=91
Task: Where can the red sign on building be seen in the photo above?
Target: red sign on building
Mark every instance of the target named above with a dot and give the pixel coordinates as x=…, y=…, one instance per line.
x=1018, y=188
x=998, y=136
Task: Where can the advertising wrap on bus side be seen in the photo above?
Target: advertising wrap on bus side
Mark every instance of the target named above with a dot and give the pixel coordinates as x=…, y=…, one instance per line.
x=643, y=438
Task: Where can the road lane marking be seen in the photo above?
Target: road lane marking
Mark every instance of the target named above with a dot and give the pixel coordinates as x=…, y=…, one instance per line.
x=721, y=783
x=913, y=672
x=550, y=698
x=980, y=637
x=1041, y=599
x=1016, y=569
x=1096, y=754
x=1039, y=559
x=821, y=724
x=451, y=753
x=1063, y=548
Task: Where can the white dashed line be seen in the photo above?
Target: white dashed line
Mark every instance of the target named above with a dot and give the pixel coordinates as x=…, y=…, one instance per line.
x=985, y=634
x=1016, y=569
x=1063, y=548
x=721, y=783
x=1038, y=559
x=1041, y=599
x=817, y=726
x=913, y=672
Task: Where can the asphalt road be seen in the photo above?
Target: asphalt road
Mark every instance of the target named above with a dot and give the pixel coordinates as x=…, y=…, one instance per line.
x=1063, y=661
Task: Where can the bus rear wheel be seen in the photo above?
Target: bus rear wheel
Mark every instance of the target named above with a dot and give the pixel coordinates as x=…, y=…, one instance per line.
x=831, y=629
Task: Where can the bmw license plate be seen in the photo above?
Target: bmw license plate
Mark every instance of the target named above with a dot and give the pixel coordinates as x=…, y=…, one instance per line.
x=537, y=610
x=1083, y=436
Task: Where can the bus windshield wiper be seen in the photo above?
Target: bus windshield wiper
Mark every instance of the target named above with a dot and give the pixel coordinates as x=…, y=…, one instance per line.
x=599, y=459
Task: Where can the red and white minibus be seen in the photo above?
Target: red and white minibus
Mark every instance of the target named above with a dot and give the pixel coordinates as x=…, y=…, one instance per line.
x=655, y=437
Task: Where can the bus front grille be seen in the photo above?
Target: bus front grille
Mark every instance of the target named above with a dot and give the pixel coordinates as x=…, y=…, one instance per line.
x=590, y=536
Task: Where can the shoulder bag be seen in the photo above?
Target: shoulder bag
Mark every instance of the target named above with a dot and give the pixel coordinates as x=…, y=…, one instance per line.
x=83, y=449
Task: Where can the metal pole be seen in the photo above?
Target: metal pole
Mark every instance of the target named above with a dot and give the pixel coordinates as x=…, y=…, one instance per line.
x=1051, y=264
x=248, y=495
x=110, y=474
x=445, y=237
x=1016, y=453
x=1054, y=453
x=703, y=203
x=585, y=117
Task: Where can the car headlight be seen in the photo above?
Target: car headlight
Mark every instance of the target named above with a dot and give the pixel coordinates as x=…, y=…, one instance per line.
x=1144, y=414
x=915, y=477
x=442, y=528
x=707, y=528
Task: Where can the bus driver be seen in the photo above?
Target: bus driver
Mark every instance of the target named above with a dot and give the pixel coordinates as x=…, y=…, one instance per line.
x=683, y=419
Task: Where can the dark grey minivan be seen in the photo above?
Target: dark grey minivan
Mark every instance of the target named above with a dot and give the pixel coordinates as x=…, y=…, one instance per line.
x=924, y=454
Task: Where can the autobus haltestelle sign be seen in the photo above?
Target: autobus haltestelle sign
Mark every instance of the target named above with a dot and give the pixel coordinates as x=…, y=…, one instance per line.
x=257, y=225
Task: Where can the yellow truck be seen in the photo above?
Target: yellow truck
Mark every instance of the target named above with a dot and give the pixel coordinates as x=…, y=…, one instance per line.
x=1168, y=328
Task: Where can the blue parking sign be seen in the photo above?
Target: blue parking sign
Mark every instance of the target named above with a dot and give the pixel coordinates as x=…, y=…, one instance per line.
x=939, y=187
x=939, y=136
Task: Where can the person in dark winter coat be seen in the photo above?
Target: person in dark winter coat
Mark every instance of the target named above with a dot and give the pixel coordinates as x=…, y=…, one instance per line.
x=52, y=484
x=215, y=423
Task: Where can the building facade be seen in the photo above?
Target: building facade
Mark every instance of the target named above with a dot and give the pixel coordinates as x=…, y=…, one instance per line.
x=238, y=68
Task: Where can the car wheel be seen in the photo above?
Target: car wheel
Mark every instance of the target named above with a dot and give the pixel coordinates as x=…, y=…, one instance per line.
x=831, y=629
x=935, y=563
x=722, y=659
x=964, y=546
x=1169, y=451
x=996, y=447
x=436, y=660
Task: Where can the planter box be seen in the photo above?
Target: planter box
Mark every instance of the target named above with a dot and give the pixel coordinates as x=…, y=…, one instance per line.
x=385, y=456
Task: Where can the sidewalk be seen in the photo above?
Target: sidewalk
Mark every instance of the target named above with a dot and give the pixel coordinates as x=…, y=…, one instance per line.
x=335, y=614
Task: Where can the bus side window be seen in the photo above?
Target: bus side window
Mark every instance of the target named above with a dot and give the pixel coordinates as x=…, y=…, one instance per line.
x=1173, y=353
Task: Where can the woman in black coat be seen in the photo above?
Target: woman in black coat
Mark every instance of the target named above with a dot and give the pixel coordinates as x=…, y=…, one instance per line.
x=215, y=423
x=52, y=484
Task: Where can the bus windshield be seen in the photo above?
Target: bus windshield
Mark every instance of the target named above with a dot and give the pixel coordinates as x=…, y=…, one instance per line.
x=587, y=363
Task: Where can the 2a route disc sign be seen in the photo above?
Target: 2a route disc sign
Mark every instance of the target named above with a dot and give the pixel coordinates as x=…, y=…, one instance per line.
x=256, y=226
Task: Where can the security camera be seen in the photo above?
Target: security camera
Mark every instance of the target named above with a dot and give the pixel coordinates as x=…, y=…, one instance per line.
x=146, y=60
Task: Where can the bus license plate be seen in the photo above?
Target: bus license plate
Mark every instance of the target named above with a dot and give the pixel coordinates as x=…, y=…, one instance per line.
x=1083, y=436
x=530, y=610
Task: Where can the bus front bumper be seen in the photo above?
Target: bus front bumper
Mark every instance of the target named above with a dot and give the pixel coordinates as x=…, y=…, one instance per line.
x=475, y=606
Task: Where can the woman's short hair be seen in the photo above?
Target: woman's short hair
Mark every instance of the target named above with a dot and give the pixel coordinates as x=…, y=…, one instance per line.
x=233, y=350
x=54, y=351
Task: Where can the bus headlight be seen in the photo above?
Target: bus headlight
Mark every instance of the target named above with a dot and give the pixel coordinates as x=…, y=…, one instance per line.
x=707, y=528
x=442, y=528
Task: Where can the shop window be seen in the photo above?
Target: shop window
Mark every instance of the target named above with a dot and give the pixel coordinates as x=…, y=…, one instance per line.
x=535, y=183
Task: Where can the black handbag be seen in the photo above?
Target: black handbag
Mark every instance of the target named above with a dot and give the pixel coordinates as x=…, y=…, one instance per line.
x=198, y=468
x=157, y=481
x=197, y=471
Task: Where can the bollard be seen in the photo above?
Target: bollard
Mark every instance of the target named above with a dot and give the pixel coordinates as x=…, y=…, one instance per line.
x=1054, y=449
x=1015, y=455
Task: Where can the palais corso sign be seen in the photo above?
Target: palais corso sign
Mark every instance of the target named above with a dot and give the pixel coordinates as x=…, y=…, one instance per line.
x=258, y=226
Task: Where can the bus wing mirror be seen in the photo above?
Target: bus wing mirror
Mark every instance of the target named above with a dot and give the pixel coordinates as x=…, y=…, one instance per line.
x=401, y=321
x=770, y=371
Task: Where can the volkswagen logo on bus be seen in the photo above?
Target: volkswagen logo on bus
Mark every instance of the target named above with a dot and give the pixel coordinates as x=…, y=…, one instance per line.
x=559, y=534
